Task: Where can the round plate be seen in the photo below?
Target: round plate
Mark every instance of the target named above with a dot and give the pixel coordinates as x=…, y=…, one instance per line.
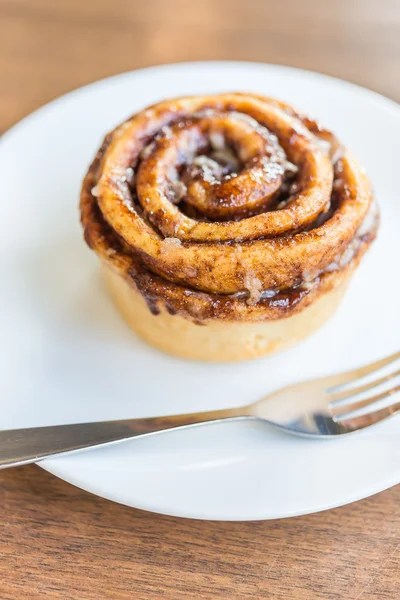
x=68, y=357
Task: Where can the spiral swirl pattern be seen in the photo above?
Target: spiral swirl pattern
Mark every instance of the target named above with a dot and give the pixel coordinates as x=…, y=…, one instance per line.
x=229, y=206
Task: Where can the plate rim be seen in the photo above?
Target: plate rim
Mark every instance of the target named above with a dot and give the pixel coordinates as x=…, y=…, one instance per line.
x=233, y=519
x=377, y=96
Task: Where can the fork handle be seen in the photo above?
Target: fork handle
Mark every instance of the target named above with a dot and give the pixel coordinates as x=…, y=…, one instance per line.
x=23, y=446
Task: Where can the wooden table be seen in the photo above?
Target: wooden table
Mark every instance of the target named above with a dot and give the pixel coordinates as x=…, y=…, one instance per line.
x=61, y=543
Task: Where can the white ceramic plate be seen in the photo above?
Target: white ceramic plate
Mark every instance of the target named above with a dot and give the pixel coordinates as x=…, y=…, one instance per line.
x=67, y=357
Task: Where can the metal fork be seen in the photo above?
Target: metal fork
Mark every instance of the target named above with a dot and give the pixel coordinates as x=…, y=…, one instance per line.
x=324, y=407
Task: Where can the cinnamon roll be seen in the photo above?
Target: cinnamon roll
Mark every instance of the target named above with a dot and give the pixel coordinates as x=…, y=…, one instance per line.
x=228, y=225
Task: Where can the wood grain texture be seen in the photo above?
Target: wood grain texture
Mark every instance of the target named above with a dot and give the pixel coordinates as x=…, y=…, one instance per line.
x=61, y=543
x=50, y=47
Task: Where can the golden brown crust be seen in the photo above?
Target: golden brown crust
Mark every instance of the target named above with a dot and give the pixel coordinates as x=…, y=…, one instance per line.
x=212, y=243
x=219, y=340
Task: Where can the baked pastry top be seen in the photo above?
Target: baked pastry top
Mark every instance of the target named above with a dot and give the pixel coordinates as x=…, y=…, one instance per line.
x=231, y=206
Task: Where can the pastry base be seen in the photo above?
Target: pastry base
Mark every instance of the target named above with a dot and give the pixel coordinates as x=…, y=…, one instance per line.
x=219, y=341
